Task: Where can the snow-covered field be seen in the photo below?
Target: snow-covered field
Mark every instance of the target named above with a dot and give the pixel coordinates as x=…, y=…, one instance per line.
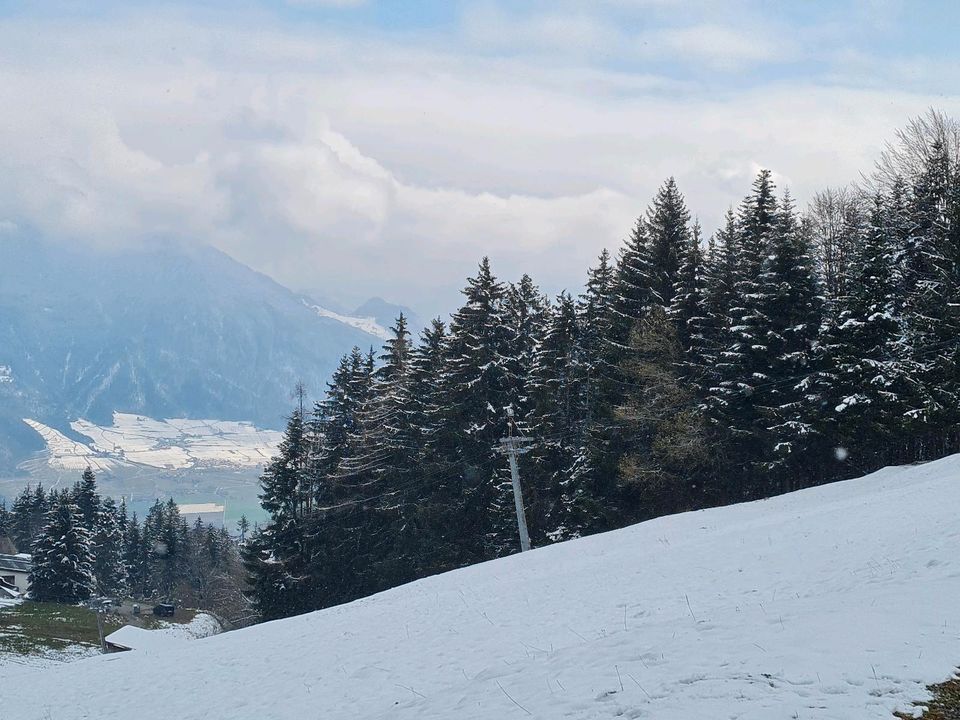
x=835, y=602
x=137, y=441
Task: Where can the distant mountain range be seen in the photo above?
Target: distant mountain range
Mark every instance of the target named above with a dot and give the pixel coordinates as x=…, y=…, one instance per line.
x=164, y=331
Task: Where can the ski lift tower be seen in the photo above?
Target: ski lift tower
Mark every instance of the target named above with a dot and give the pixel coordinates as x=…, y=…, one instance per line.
x=512, y=446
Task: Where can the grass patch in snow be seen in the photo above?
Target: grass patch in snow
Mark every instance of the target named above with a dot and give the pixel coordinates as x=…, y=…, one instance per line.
x=35, y=632
x=945, y=704
x=33, y=628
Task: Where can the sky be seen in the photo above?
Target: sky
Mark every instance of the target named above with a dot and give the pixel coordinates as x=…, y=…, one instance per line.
x=354, y=148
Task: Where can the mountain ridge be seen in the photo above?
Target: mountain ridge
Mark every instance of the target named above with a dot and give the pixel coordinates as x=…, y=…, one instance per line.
x=162, y=329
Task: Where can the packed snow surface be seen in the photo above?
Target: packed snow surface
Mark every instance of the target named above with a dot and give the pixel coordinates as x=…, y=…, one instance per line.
x=834, y=602
x=135, y=440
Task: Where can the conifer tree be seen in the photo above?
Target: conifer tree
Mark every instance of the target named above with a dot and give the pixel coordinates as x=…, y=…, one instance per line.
x=668, y=236
x=660, y=470
x=792, y=301
x=6, y=520
x=340, y=481
x=687, y=309
x=477, y=380
x=721, y=271
x=29, y=512
x=632, y=291
x=109, y=569
x=593, y=470
x=525, y=312
x=743, y=363
x=62, y=561
x=381, y=471
x=135, y=558
x=87, y=499
x=243, y=527
x=854, y=393
x=596, y=316
x=279, y=557
x=557, y=507
x=932, y=277
x=439, y=503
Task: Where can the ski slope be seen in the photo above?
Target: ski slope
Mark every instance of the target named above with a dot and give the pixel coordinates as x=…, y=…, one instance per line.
x=834, y=602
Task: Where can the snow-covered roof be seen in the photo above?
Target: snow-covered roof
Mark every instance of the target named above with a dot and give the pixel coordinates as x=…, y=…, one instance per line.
x=198, y=508
x=834, y=602
x=137, y=638
x=17, y=563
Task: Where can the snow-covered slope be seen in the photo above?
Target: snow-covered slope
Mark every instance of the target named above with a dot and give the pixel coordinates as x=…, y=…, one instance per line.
x=368, y=325
x=835, y=602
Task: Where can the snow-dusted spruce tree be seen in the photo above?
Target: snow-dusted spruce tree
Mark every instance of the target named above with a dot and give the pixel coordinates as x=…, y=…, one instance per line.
x=122, y=517
x=164, y=538
x=29, y=512
x=928, y=157
x=382, y=471
x=439, y=503
x=6, y=519
x=109, y=568
x=591, y=483
x=668, y=236
x=87, y=499
x=524, y=311
x=62, y=560
x=793, y=303
x=687, y=309
x=277, y=558
x=720, y=272
x=595, y=316
x=853, y=395
x=339, y=483
x=556, y=394
x=477, y=381
x=743, y=362
x=135, y=558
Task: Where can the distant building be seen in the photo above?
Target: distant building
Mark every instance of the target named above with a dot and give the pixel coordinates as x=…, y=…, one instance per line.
x=207, y=513
x=15, y=572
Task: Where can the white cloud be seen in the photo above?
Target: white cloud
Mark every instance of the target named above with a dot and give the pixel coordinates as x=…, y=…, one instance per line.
x=568, y=31
x=721, y=47
x=362, y=167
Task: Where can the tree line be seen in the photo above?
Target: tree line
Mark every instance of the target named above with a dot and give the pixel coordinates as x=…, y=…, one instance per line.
x=84, y=545
x=789, y=349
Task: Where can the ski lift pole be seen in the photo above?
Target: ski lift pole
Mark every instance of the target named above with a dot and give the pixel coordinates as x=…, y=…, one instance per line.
x=100, y=605
x=512, y=446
